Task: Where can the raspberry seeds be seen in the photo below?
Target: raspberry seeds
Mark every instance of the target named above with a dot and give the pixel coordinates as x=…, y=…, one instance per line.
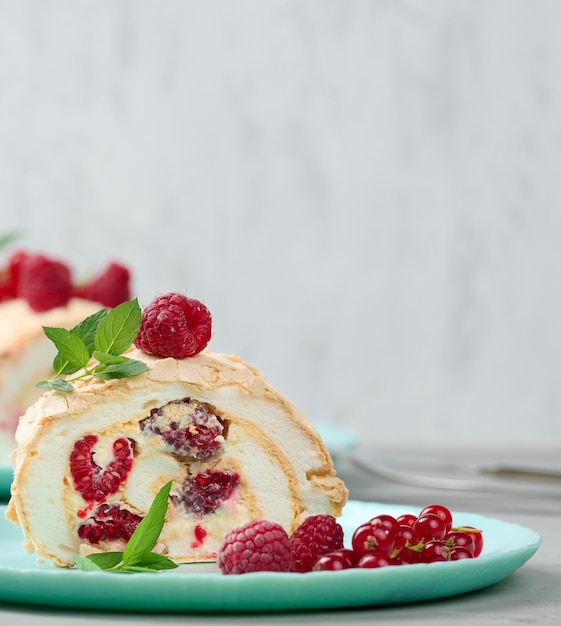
x=174, y=325
x=258, y=546
x=316, y=536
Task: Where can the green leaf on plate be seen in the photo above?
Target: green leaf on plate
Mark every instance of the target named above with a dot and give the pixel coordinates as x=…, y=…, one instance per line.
x=86, y=564
x=106, y=560
x=150, y=562
x=137, y=555
x=155, y=561
x=147, y=532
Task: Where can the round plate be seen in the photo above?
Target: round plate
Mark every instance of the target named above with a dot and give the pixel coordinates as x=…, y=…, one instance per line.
x=200, y=587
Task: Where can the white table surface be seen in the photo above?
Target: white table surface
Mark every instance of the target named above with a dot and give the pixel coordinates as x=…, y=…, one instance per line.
x=531, y=595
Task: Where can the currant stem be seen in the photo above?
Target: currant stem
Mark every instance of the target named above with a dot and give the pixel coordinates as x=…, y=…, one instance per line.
x=86, y=372
x=417, y=547
x=466, y=529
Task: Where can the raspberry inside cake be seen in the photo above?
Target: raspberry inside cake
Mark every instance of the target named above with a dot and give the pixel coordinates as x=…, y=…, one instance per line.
x=89, y=463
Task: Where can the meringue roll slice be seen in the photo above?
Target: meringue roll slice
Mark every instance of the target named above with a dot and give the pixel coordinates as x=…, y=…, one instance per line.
x=89, y=463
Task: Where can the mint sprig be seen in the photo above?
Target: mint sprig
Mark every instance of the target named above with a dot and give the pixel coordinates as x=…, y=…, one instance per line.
x=137, y=555
x=95, y=346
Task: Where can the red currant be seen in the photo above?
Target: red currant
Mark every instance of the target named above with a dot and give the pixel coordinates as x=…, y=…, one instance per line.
x=460, y=552
x=369, y=538
x=477, y=538
x=348, y=554
x=374, y=560
x=409, y=557
x=430, y=526
x=459, y=538
x=332, y=561
x=407, y=519
x=406, y=537
x=386, y=521
x=435, y=551
x=441, y=511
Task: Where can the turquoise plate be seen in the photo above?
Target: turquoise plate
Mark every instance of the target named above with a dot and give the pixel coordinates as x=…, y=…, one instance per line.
x=6, y=475
x=200, y=587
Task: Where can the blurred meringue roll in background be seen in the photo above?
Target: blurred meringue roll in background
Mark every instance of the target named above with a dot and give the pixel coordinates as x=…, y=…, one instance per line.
x=37, y=290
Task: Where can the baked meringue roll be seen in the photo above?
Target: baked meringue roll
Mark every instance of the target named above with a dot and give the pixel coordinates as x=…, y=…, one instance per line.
x=89, y=463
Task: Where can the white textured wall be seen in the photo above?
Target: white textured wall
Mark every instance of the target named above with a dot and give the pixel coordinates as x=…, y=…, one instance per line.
x=365, y=193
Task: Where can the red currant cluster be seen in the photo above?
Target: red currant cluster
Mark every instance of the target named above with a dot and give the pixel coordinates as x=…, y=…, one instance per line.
x=407, y=539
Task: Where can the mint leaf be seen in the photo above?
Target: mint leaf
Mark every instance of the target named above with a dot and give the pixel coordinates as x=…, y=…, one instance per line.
x=87, y=328
x=155, y=561
x=112, y=366
x=108, y=359
x=147, y=532
x=103, y=336
x=119, y=328
x=85, y=331
x=137, y=555
x=138, y=569
x=56, y=384
x=86, y=564
x=63, y=366
x=135, y=569
x=73, y=351
x=106, y=560
x=150, y=562
x=125, y=369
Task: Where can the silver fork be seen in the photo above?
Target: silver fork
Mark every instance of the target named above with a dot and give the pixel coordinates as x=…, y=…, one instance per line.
x=497, y=479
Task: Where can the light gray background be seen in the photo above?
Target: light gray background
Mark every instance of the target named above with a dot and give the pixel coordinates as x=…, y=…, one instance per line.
x=364, y=193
